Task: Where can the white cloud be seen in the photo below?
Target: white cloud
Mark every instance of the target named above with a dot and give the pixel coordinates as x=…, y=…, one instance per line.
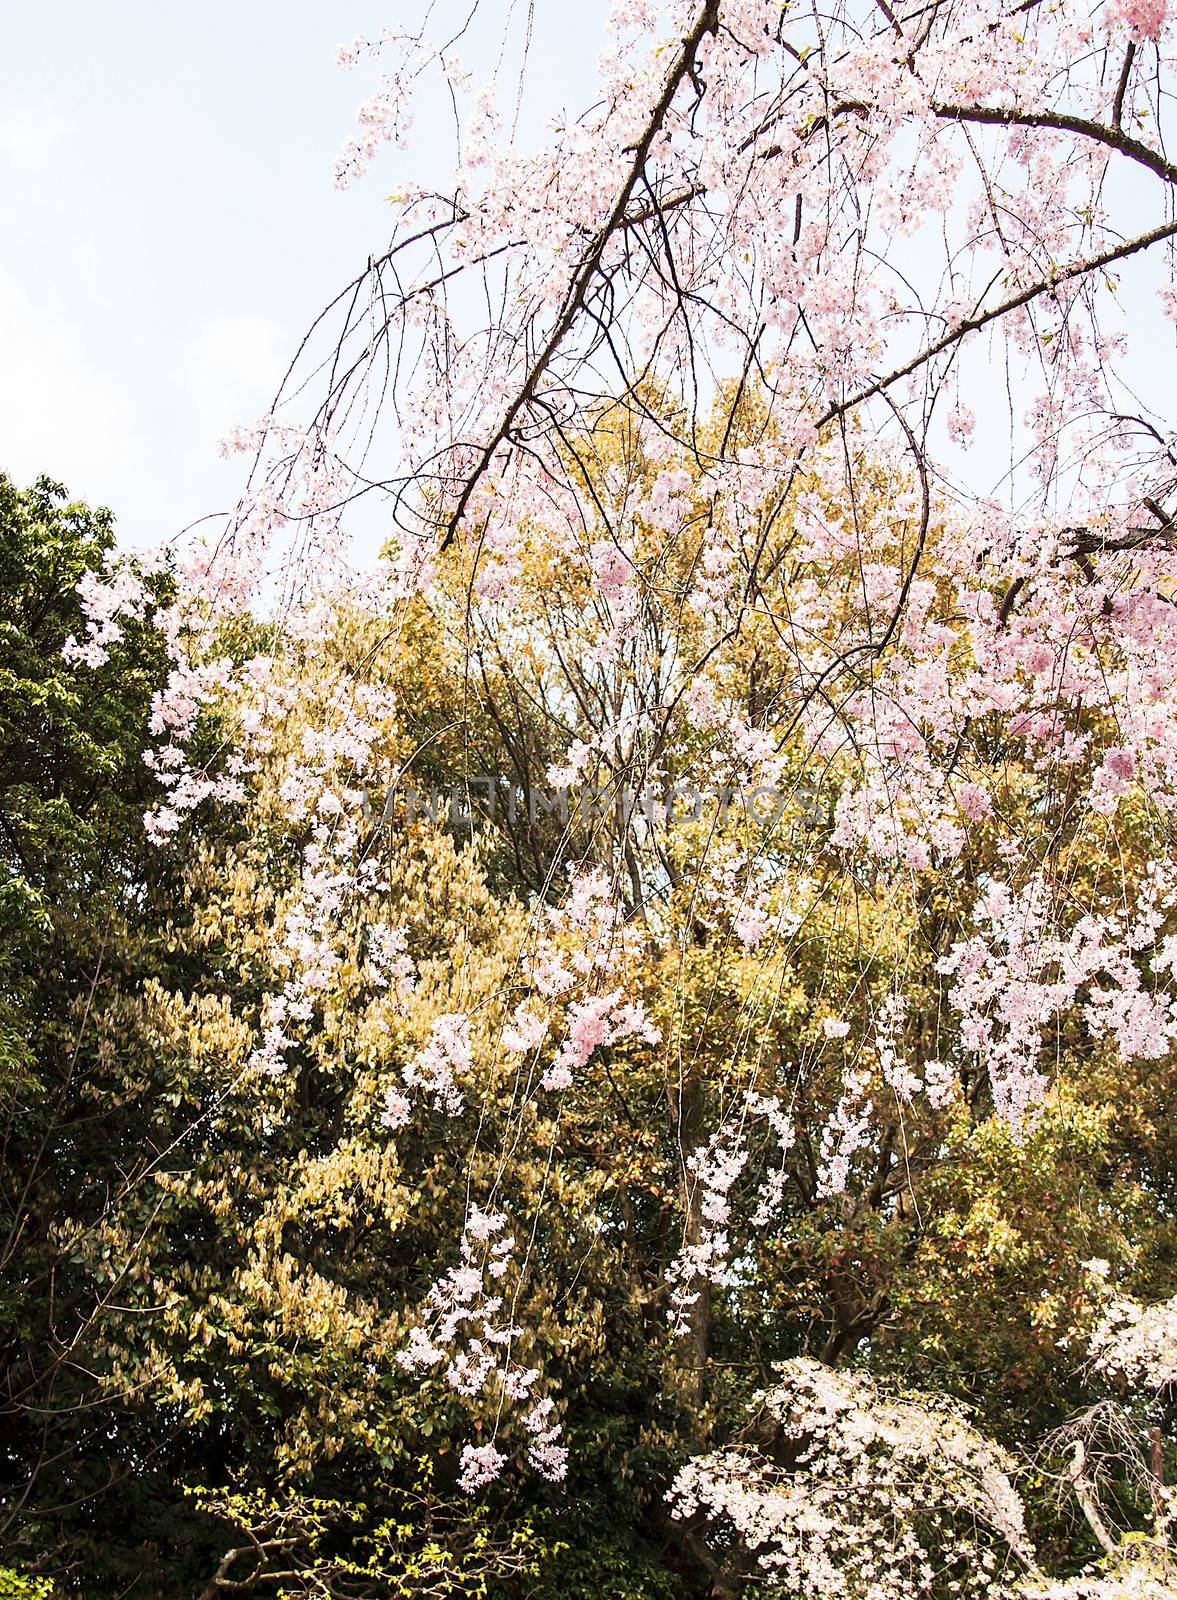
x=31, y=135
x=147, y=452
x=229, y=371
x=62, y=415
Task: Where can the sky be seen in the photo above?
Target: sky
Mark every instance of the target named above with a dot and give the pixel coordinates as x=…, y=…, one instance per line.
x=169, y=225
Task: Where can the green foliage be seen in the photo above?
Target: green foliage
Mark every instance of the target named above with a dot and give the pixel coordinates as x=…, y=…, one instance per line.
x=394, y=1540
x=20, y=1586
x=75, y=882
x=71, y=771
x=211, y=1271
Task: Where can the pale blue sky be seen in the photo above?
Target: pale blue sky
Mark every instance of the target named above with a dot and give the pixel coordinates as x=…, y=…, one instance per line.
x=168, y=223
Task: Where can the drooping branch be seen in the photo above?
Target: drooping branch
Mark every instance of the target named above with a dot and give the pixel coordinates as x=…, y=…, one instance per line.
x=981, y=319
x=683, y=68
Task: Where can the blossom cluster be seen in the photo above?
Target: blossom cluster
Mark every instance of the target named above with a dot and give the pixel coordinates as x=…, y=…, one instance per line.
x=464, y=1331
x=1136, y=1344
x=887, y=1493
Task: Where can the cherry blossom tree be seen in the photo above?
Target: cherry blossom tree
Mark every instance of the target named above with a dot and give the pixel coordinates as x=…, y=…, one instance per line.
x=671, y=420
x=837, y=1487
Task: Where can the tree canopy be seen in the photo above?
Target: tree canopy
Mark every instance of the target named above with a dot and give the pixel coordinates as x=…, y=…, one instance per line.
x=627, y=1048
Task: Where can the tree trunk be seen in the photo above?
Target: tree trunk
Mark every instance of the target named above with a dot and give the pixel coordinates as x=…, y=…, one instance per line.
x=690, y=1374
